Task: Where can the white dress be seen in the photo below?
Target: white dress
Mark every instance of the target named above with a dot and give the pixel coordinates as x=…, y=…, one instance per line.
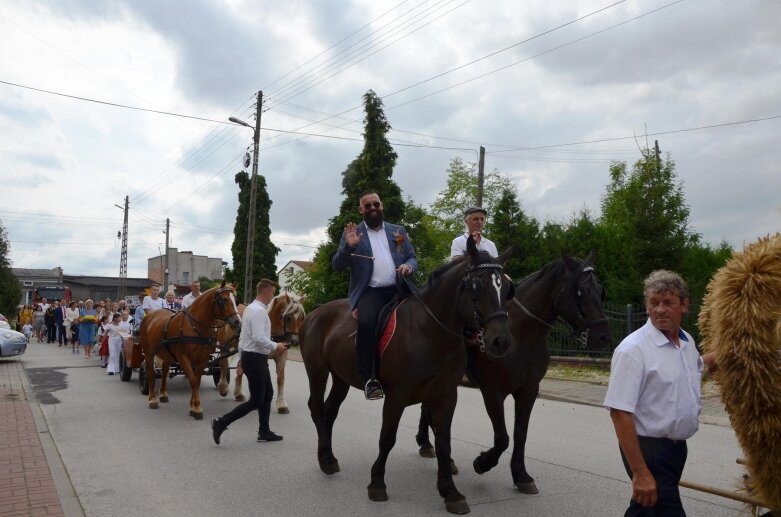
x=116, y=334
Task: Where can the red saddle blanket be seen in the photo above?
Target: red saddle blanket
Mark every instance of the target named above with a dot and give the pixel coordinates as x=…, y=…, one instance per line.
x=388, y=331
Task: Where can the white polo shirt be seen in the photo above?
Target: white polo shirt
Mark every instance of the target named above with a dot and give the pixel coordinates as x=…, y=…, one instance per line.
x=458, y=246
x=657, y=382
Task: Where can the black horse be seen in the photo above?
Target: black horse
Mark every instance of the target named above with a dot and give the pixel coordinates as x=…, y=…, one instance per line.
x=423, y=362
x=566, y=288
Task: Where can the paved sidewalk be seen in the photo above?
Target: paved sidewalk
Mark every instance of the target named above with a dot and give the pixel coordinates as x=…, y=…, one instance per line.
x=33, y=480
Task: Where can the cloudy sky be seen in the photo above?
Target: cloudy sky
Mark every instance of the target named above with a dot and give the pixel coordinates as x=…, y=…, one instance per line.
x=554, y=90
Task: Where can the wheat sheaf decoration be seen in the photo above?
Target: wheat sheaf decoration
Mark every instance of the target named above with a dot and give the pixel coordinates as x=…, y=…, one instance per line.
x=741, y=322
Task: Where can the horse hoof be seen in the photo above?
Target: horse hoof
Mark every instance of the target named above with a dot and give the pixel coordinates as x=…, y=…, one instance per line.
x=223, y=393
x=153, y=405
x=378, y=494
x=240, y=398
x=283, y=411
x=196, y=415
x=453, y=468
x=427, y=452
x=459, y=507
x=477, y=467
x=527, y=488
x=163, y=398
x=330, y=468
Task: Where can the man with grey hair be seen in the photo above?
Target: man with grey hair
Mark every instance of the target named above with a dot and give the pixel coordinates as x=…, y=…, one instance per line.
x=654, y=397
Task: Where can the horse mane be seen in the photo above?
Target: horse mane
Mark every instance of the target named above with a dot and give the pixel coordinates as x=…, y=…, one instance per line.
x=551, y=267
x=483, y=257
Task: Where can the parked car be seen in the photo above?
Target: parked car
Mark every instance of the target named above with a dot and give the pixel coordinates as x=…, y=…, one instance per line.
x=12, y=342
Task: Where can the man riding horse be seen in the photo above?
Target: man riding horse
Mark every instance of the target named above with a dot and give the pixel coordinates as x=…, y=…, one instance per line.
x=375, y=251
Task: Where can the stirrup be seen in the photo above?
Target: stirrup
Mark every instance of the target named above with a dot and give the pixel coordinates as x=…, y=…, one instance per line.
x=373, y=390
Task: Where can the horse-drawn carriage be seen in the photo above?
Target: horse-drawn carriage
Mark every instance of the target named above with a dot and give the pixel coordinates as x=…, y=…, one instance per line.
x=199, y=340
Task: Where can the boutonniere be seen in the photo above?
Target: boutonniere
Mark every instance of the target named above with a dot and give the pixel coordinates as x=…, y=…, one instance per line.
x=398, y=238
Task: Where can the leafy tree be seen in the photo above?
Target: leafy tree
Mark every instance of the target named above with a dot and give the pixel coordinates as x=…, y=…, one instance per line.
x=700, y=262
x=645, y=222
x=510, y=226
x=371, y=170
x=265, y=252
x=431, y=243
x=461, y=193
x=208, y=283
x=10, y=290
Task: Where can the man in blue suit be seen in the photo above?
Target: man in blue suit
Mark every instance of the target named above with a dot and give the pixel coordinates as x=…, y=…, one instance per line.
x=375, y=251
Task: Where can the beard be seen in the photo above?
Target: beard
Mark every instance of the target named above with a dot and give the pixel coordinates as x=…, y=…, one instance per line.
x=373, y=219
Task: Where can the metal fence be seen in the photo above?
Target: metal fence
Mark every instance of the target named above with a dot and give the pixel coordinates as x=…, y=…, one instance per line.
x=623, y=320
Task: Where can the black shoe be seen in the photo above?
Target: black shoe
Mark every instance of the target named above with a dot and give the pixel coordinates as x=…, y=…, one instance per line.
x=269, y=436
x=218, y=427
x=373, y=390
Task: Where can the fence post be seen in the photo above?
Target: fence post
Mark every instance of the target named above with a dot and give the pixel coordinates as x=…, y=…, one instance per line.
x=629, y=328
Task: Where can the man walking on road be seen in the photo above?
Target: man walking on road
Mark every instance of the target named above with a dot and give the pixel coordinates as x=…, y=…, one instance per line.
x=255, y=345
x=654, y=398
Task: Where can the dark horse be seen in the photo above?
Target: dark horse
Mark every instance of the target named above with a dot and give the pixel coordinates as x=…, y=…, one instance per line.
x=423, y=362
x=567, y=289
x=187, y=337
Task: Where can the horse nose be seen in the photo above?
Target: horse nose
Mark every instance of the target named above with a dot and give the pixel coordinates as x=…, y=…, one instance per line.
x=499, y=346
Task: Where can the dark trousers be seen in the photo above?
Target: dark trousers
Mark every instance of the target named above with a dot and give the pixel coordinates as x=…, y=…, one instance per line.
x=51, y=330
x=665, y=459
x=369, y=306
x=261, y=391
x=62, y=337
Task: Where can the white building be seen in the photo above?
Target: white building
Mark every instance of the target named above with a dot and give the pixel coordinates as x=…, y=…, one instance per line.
x=288, y=270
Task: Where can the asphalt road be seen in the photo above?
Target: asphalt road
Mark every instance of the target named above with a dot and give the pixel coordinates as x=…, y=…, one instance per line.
x=123, y=458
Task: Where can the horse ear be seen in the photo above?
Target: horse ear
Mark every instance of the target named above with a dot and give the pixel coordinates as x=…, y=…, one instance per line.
x=223, y=283
x=506, y=255
x=591, y=257
x=471, y=248
x=568, y=261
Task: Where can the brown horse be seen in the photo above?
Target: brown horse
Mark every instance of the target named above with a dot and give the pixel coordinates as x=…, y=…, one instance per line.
x=567, y=289
x=423, y=362
x=187, y=337
x=286, y=313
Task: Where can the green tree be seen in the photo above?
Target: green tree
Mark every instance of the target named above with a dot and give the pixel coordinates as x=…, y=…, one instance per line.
x=10, y=290
x=510, y=226
x=431, y=242
x=645, y=224
x=265, y=252
x=208, y=283
x=700, y=263
x=461, y=193
x=372, y=169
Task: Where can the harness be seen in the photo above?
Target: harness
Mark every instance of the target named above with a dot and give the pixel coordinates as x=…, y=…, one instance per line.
x=200, y=339
x=583, y=326
x=285, y=336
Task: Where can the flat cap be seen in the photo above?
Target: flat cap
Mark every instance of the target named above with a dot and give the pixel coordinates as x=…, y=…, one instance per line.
x=473, y=209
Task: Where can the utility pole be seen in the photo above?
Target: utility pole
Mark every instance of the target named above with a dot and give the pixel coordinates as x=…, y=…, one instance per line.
x=165, y=266
x=249, y=291
x=480, y=177
x=123, y=258
x=657, y=153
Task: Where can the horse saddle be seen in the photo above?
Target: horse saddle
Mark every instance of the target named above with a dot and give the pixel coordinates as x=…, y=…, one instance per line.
x=386, y=324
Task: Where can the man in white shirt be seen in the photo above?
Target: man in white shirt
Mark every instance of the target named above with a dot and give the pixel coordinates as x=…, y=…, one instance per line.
x=195, y=292
x=474, y=219
x=255, y=345
x=153, y=302
x=654, y=397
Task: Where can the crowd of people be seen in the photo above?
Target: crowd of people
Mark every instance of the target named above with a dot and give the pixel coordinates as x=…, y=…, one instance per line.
x=95, y=329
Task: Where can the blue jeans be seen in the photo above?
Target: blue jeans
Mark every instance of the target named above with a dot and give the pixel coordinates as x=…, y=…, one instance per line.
x=665, y=459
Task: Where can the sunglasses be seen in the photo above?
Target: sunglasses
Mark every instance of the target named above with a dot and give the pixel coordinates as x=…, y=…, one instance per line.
x=374, y=204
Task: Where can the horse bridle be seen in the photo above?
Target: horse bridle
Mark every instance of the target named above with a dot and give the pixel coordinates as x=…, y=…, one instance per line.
x=475, y=284
x=285, y=336
x=584, y=326
x=218, y=302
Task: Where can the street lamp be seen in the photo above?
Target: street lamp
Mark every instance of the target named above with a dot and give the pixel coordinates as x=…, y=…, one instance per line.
x=248, y=265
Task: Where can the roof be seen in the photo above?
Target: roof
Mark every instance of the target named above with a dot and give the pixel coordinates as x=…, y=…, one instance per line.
x=306, y=265
x=39, y=273
x=108, y=281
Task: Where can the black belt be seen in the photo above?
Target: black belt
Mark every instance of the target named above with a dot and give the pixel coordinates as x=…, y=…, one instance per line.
x=663, y=440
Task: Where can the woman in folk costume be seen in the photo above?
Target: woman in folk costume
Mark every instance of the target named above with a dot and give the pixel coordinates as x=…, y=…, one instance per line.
x=740, y=322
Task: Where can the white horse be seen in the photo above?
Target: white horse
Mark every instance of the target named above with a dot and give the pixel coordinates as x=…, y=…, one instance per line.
x=286, y=313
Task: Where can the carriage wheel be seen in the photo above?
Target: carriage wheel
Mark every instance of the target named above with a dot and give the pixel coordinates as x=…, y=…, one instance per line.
x=216, y=375
x=142, y=384
x=125, y=371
